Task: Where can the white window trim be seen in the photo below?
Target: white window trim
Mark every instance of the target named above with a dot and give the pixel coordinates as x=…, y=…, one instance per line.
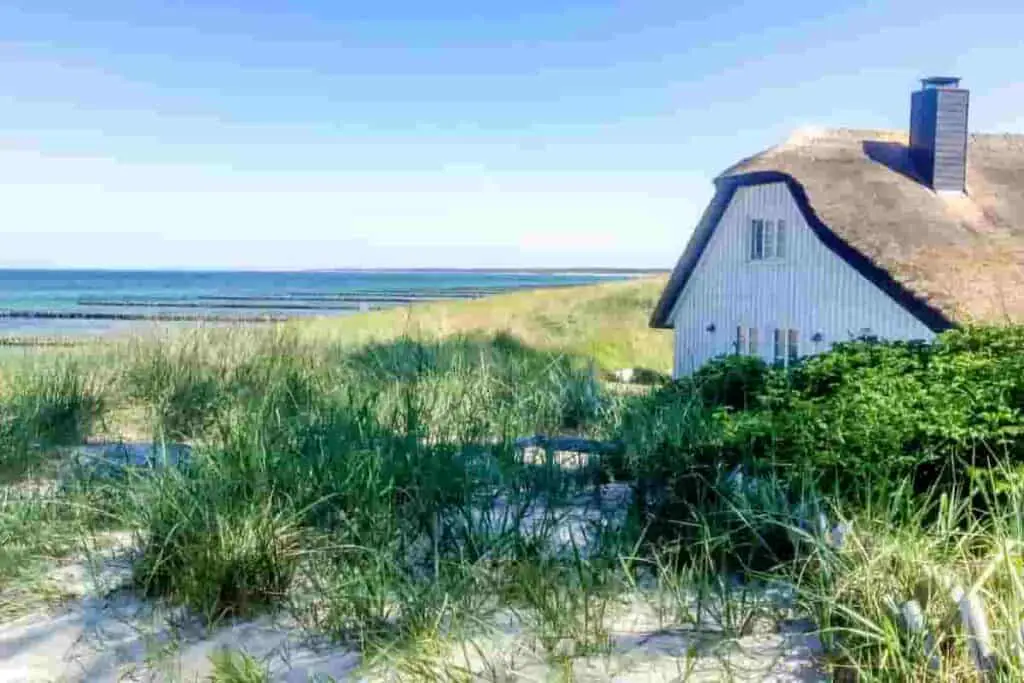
x=770, y=228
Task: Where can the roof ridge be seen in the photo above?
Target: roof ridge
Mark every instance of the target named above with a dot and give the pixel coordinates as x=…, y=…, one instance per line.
x=1003, y=135
x=814, y=134
x=807, y=136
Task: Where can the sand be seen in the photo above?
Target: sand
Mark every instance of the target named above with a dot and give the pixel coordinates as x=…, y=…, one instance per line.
x=103, y=631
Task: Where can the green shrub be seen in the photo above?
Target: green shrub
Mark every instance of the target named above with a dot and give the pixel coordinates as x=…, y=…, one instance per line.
x=887, y=410
x=893, y=409
x=731, y=381
x=865, y=412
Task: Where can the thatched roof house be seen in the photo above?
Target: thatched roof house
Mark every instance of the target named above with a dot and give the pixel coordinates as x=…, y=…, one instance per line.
x=934, y=219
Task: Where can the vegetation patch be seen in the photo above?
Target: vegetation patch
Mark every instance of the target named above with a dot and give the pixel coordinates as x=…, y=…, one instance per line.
x=371, y=485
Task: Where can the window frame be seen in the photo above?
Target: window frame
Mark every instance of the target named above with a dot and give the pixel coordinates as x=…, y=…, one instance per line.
x=786, y=345
x=756, y=237
x=792, y=345
x=767, y=240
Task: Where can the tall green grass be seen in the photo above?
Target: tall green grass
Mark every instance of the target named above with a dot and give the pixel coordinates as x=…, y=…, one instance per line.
x=302, y=450
x=355, y=486
x=47, y=403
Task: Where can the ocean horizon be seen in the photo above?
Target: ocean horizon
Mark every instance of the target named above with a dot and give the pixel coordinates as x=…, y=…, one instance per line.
x=37, y=302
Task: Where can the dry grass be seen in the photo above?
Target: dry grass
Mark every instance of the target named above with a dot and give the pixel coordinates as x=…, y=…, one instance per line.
x=607, y=322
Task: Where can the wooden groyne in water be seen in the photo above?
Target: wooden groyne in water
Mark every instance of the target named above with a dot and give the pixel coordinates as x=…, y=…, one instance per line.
x=141, y=317
x=350, y=299
x=227, y=305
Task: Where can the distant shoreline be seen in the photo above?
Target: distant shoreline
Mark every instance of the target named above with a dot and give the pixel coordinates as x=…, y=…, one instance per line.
x=391, y=271
x=555, y=272
x=59, y=303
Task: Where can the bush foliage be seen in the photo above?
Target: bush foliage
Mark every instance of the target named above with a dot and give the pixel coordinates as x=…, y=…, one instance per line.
x=883, y=410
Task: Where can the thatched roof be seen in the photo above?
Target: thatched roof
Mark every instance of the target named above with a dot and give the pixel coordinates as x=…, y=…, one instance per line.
x=948, y=258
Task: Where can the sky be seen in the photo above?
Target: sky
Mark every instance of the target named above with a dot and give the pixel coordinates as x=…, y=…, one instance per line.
x=402, y=133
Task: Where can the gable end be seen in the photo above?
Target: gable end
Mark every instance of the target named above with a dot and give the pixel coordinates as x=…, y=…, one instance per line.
x=726, y=187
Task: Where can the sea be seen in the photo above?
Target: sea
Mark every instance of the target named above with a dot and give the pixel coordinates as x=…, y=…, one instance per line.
x=76, y=303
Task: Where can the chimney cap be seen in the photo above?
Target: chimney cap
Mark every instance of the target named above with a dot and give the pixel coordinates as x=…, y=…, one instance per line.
x=940, y=82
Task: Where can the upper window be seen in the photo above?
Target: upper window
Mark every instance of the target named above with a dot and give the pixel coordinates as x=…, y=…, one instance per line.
x=767, y=239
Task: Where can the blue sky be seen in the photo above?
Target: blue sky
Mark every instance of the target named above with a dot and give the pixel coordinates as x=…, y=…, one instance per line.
x=398, y=133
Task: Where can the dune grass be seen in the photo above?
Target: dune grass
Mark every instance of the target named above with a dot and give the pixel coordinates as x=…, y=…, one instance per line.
x=362, y=476
x=607, y=323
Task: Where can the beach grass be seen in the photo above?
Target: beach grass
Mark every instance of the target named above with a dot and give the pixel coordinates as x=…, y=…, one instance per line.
x=363, y=476
x=607, y=323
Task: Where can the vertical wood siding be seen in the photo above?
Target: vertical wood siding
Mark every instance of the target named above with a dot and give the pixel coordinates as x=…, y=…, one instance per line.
x=950, y=167
x=938, y=136
x=811, y=290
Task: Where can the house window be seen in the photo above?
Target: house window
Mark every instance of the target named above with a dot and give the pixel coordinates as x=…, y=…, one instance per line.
x=756, y=239
x=793, y=347
x=787, y=346
x=767, y=239
x=746, y=340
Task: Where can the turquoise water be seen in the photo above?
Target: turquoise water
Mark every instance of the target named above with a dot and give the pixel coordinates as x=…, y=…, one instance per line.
x=63, y=303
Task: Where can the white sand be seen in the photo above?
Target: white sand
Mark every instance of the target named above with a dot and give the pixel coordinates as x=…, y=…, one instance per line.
x=105, y=633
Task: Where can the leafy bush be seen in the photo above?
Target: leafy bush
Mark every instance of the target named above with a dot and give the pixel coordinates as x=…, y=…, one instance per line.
x=891, y=409
x=867, y=409
x=849, y=421
x=731, y=381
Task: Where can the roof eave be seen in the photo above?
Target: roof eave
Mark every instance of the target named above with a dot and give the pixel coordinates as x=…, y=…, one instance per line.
x=661, y=317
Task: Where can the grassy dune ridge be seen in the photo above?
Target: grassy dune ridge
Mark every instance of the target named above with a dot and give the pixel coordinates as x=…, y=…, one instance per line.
x=362, y=476
x=606, y=322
